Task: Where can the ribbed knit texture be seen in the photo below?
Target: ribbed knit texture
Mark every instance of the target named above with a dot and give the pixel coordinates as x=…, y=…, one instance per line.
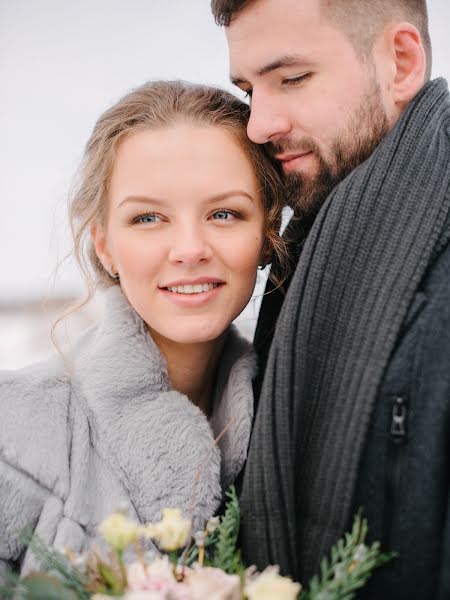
x=361, y=266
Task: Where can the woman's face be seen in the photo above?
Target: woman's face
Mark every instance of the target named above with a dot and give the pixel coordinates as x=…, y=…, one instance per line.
x=184, y=229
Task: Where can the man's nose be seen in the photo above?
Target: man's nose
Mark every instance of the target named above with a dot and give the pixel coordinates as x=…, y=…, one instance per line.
x=267, y=120
x=190, y=246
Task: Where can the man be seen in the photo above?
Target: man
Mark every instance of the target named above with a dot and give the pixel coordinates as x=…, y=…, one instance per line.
x=354, y=409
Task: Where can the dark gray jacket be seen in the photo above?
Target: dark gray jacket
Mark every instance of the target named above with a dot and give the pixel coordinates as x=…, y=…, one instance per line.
x=404, y=477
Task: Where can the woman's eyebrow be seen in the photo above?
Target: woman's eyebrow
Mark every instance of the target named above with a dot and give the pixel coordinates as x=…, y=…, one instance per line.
x=230, y=194
x=160, y=202
x=142, y=199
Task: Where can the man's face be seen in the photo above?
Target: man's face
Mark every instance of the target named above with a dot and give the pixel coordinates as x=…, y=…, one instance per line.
x=316, y=103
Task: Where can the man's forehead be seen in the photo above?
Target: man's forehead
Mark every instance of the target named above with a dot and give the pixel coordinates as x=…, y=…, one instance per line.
x=260, y=16
x=267, y=32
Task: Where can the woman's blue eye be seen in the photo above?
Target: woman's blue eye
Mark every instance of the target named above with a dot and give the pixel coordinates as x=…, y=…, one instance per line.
x=223, y=215
x=147, y=218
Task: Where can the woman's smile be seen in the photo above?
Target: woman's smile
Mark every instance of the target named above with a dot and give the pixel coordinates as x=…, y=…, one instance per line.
x=193, y=295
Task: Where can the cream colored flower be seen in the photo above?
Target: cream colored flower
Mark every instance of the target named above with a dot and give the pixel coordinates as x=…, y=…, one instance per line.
x=269, y=585
x=147, y=595
x=171, y=532
x=213, y=584
x=118, y=531
x=140, y=579
x=161, y=567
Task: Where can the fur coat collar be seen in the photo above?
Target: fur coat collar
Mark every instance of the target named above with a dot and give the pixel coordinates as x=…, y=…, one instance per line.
x=159, y=444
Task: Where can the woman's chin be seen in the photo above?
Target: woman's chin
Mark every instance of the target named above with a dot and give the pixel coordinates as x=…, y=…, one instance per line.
x=194, y=335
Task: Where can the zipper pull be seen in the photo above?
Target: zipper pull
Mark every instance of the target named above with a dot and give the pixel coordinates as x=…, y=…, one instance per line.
x=398, y=421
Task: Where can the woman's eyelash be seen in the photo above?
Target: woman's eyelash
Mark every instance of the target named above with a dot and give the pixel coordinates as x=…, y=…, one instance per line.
x=138, y=218
x=154, y=217
x=227, y=211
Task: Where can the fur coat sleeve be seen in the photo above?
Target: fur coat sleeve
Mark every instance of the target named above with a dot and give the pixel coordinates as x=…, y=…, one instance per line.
x=33, y=464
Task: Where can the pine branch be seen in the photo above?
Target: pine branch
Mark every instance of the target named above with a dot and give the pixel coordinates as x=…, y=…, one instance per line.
x=40, y=586
x=352, y=564
x=66, y=583
x=54, y=562
x=225, y=555
x=210, y=544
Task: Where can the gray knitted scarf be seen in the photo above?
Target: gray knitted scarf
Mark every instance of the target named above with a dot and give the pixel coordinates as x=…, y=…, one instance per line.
x=356, y=278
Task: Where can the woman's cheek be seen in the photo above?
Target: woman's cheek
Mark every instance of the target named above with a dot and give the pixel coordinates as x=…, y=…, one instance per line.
x=137, y=255
x=247, y=253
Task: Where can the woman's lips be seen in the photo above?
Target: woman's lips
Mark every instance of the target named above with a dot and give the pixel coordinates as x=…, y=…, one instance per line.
x=192, y=300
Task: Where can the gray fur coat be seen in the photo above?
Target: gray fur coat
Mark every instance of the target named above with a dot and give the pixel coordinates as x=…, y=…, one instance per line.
x=75, y=445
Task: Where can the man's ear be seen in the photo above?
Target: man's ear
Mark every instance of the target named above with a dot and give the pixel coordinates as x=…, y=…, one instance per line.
x=101, y=247
x=409, y=61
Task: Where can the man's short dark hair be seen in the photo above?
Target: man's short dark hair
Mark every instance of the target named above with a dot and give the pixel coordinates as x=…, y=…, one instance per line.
x=361, y=20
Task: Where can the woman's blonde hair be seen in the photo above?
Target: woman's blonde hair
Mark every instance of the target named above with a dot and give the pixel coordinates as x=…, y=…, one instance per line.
x=157, y=105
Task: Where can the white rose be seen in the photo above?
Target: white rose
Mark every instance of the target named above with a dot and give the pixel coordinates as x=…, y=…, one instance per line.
x=213, y=584
x=269, y=585
x=148, y=595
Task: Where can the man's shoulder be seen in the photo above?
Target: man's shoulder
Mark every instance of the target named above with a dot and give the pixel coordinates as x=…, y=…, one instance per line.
x=34, y=421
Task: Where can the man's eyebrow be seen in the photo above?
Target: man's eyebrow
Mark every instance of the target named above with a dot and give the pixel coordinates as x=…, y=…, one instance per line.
x=288, y=60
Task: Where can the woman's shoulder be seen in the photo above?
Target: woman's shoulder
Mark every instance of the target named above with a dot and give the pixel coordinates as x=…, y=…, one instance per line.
x=34, y=421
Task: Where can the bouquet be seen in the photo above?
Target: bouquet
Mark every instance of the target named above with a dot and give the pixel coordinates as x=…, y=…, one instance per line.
x=201, y=565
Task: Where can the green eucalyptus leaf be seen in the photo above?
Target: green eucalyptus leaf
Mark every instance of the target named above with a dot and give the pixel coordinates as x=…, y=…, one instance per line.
x=40, y=586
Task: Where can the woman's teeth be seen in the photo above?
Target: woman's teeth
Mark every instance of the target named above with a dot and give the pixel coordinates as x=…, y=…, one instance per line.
x=192, y=289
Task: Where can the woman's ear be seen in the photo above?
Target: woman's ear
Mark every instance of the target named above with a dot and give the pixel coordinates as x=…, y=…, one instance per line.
x=101, y=247
x=266, y=255
x=410, y=62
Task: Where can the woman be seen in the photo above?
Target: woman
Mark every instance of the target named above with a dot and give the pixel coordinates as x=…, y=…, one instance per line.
x=174, y=211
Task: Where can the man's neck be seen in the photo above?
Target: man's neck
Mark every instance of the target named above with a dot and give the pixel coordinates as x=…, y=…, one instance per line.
x=192, y=367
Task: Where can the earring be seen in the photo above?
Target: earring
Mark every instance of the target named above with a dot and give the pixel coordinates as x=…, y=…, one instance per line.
x=112, y=275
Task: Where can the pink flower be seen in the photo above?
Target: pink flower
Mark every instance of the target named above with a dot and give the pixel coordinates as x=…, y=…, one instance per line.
x=157, y=579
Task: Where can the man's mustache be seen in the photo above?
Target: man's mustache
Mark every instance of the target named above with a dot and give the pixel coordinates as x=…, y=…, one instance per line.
x=291, y=145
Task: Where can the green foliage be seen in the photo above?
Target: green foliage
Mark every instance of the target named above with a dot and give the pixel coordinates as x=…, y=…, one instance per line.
x=351, y=565
x=36, y=586
x=40, y=586
x=192, y=552
x=113, y=582
x=57, y=563
x=61, y=580
x=225, y=555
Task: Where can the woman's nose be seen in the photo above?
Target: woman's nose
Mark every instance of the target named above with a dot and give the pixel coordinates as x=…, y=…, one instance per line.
x=190, y=246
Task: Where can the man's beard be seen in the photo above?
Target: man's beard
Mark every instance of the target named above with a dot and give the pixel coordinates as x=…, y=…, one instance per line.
x=306, y=194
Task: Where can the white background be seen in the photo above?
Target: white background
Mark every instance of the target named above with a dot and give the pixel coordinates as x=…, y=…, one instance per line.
x=62, y=62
